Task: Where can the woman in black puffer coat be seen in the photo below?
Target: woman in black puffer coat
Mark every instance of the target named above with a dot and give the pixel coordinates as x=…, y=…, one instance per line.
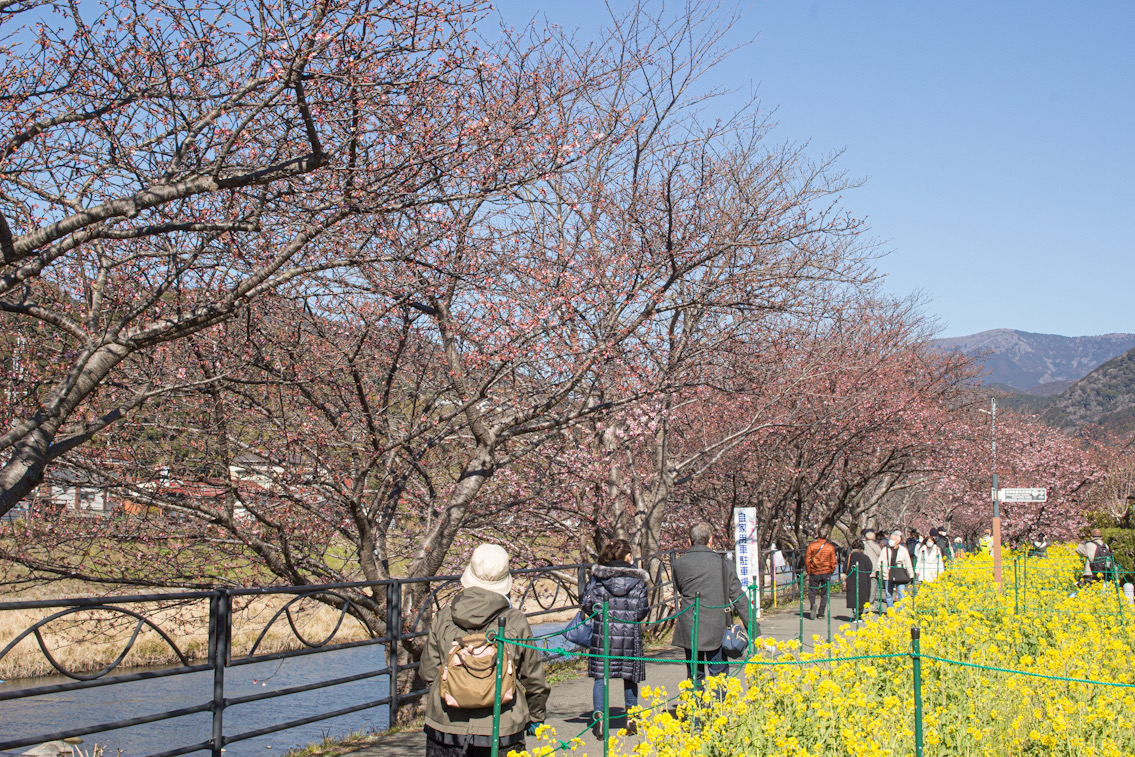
x=623, y=586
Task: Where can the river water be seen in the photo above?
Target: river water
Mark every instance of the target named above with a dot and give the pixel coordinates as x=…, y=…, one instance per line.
x=55, y=712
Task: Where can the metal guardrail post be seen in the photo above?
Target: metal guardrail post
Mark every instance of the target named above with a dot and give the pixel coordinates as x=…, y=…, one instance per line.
x=394, y=632
x=220, y=633
x=916, y=660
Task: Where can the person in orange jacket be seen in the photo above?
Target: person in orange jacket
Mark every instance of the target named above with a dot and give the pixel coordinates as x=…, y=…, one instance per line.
x=820, y=562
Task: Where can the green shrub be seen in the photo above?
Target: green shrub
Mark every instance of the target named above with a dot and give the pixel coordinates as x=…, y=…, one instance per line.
x=1122, y=543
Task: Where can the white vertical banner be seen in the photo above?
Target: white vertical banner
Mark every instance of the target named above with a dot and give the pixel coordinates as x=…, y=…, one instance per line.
x=746, y=553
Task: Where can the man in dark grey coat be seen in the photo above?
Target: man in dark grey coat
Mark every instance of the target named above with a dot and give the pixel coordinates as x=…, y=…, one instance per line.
x=702, y=572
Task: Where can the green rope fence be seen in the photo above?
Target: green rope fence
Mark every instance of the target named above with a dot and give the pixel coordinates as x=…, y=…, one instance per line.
x=1064, y=679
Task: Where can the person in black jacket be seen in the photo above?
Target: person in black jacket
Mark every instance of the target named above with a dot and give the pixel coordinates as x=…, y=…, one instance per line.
x=623, y=586
x=912, y=542
x=858, y=582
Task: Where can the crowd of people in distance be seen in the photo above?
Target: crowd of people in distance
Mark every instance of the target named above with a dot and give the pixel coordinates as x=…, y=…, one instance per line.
x=877, y=559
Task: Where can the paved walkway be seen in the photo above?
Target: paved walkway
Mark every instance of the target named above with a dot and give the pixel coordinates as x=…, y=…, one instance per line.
x=569, y=708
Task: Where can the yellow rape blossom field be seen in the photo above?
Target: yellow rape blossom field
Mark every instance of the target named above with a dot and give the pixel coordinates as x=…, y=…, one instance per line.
x=1046, y=627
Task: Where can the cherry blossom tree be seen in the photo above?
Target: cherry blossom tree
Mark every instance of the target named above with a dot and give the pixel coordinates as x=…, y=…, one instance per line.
x=1029, y=454
x=164, y=164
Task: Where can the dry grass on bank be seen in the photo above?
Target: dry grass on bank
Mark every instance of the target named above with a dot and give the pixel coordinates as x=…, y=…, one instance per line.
x=90, y=640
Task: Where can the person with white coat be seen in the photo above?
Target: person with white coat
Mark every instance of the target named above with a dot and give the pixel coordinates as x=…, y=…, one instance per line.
x=928, y=560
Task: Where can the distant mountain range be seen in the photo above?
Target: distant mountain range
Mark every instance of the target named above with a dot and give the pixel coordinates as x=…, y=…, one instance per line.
x=1067, y=382
x=1040, y=364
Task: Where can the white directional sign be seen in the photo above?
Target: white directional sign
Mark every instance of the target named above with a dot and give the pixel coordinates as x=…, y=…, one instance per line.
x=746, y=551
x=1022, y=495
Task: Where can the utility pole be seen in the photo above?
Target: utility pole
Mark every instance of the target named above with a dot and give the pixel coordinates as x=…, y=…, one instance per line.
x=996, y=498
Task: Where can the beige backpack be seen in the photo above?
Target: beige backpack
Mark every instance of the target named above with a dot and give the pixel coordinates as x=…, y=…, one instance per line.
x=469, y=675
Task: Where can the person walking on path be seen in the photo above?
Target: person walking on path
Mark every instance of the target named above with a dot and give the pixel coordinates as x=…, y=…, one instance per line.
x=912, y=543
x=859, y=571
x=1097, y=556
x=623, y=587
x=701, y=571
x=959, y=548
x=928, y=560
x=985, y=546
x=820, y=563
x=872, y=549
x=943, y=542
x=456, y=731
x=896, y=569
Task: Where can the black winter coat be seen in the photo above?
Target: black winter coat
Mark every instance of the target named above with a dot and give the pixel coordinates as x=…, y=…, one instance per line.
x=858, y=586
x=624, y=588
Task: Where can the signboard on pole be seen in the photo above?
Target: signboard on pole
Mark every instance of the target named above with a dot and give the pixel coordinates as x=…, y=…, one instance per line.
x=745, y=551
x=1022, y=495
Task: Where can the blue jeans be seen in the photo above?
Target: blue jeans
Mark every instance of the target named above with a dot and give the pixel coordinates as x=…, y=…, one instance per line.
x=711, y=657
x=630, y=693
x=894, y=592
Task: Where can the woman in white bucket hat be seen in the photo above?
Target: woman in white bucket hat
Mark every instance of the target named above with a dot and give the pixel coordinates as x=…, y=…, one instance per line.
x=482, y=601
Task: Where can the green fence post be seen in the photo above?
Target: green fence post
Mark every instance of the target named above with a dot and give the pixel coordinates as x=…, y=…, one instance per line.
x=607, y=681
x=828, y=605
x=1016, y=587
x=1025, y=581
x=916, y=660
x=694, y=646
x=879, y=594
x=754, y=598
x=801, y=610
x=497, y=693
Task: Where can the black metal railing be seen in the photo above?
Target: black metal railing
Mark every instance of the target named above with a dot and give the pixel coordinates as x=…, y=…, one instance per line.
x=543, y=591
x=403, y=606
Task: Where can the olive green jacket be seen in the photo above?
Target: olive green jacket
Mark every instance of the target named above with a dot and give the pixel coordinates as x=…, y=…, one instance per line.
x=476, y=610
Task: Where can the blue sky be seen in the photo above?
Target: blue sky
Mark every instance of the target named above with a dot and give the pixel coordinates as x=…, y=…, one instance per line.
x=997, y=140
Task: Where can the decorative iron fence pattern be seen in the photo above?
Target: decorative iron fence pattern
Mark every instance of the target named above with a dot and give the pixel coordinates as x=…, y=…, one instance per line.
x=542, y=591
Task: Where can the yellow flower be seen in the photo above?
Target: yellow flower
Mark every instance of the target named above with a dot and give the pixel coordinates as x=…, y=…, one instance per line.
x=865, y=708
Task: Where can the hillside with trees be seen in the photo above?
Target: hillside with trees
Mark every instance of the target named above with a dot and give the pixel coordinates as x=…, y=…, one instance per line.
x=1037, y=363
x=1105, y=397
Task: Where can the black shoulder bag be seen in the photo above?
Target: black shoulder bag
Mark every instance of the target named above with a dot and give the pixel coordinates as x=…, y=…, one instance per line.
x=735, y=640
x=898, y=574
